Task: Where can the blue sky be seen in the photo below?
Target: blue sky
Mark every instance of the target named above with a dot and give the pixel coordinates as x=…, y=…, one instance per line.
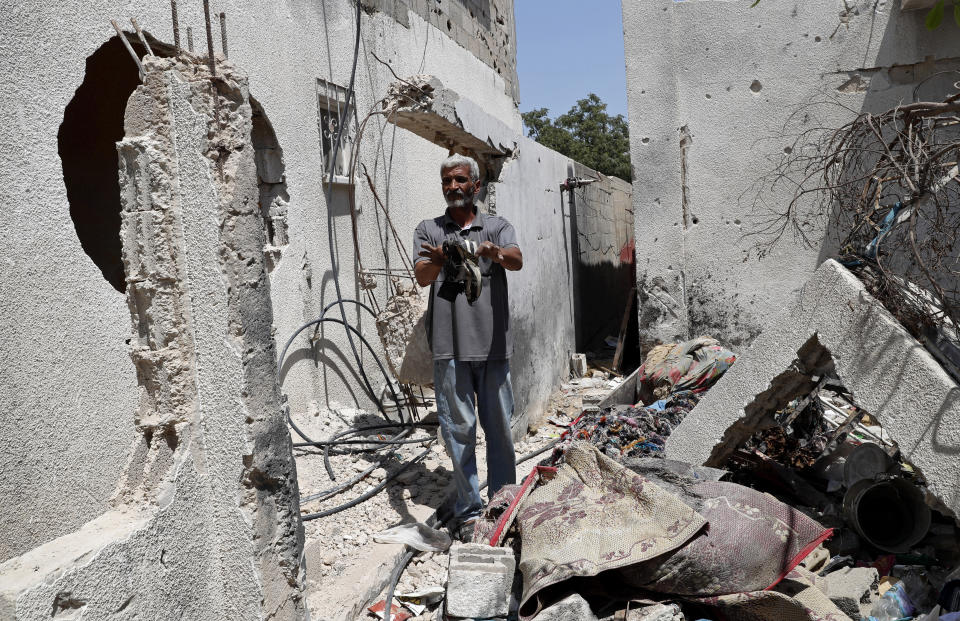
x=567, y=49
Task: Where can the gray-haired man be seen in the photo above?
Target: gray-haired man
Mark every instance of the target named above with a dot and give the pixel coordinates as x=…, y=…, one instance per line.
x=471, y=341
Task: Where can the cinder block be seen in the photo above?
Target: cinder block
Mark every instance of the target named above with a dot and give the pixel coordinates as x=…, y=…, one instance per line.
x=479, y=580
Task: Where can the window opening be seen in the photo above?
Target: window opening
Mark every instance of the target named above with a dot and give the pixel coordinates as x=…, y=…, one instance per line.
x=331, y=107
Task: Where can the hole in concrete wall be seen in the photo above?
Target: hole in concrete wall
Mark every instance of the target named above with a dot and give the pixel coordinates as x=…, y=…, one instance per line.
x=272, y=181
x=756, y=86
x=92, y=125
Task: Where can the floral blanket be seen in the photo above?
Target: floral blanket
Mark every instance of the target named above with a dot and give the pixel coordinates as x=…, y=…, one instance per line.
x=717, y=543
x=594, y=516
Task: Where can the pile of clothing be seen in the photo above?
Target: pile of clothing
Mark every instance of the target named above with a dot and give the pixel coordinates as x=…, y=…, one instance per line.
x=627, y=431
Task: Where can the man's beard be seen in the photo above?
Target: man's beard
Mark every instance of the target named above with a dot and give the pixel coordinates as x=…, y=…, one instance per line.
x=464, y=200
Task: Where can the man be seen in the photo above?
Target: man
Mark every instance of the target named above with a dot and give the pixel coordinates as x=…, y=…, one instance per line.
x=471, y=340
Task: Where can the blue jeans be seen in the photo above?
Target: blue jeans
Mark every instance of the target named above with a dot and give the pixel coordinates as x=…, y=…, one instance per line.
x=460, y=386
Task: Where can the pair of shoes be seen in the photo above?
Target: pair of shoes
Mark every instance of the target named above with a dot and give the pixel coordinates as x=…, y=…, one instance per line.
x=463, y=531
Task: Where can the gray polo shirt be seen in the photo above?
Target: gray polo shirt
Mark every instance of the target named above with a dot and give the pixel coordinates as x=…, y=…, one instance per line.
x=457, y=329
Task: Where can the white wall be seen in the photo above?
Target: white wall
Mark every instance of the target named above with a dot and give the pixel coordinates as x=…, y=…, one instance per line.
x=690, y=67
x=67, y=384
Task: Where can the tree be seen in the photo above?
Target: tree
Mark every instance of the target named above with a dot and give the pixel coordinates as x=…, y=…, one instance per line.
x=587, y=134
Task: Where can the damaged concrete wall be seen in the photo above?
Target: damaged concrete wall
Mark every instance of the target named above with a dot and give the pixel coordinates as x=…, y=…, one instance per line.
x=68, y=387
x=527, y=194
x=484, y=27
x=835, y=324
x=205, y=522
x=715, y=91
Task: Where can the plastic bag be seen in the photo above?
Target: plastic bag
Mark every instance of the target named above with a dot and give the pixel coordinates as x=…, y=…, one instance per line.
x=418, y=536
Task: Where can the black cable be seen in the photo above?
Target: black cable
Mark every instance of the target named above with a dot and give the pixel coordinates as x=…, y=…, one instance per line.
x=283, y=355
x=323, y=313
x=320, y=443
x=373, y=492
x=395, y=578
x=335, y=147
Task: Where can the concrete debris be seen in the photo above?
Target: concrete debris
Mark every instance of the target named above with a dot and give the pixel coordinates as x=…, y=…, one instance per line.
x=402, y=329
x=422, y=105
x=852, y=589
x=578, y=365
x=571, y=608
x=836, y=326
x=479, y=581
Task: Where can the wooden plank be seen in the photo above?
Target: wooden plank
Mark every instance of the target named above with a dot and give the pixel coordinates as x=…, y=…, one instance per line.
x=623, y=329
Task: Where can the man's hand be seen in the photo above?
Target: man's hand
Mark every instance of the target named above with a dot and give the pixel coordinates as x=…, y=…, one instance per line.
x=427, y=271
x=490, y=250
x=510, y=258
x=434, y=253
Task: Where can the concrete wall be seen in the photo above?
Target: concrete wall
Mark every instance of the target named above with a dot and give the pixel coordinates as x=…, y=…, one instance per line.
x=69, y=390
x=717, y=91
x=206, y=521
x=484, y=27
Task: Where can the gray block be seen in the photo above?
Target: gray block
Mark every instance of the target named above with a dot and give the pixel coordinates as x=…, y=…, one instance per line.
x=852, y=588
x=571, y=608
x=479, y=580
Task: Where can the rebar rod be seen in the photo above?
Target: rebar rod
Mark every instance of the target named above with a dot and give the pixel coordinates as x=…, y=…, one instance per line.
x=176, y=25
x=190, y=39
x=211, y=60
x=143, y=39
x=223, y=32
x=129, y=47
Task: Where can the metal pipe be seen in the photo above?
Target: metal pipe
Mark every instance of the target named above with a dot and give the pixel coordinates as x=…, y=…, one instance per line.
x=129, y=47
x=176, y=25
x=223, y=32
x=143, y=39
x=190, y=39
x=211, y=60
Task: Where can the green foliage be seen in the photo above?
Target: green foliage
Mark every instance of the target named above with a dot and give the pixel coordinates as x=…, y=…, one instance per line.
x=587, y=134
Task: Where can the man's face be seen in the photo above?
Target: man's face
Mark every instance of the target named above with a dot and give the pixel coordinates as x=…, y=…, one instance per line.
x=458, y=189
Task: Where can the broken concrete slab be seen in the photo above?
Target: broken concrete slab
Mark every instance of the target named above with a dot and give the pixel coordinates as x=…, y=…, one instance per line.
x=835, y=324
x=422, y=105
x=571, y=608
x=479, y=581
x=851, y=589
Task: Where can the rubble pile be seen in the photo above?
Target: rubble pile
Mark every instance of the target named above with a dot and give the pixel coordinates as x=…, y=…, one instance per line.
x=817, y=516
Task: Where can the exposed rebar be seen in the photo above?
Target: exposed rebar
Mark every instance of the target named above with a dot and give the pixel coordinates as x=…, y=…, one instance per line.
x=211, y=60
x=176, y=25
x=143, y=39
x=129, y=47
x=223, y=32
x=190, y=39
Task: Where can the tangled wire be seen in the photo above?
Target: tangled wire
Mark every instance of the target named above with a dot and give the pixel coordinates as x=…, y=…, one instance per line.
x=885, y=188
